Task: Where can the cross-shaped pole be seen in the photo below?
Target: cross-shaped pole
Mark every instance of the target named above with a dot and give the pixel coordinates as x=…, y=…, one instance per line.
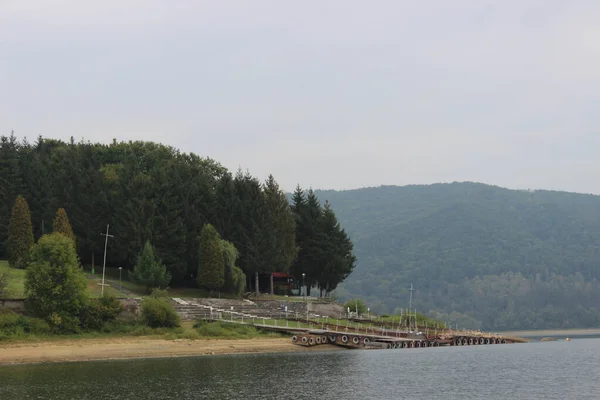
x=106, y=235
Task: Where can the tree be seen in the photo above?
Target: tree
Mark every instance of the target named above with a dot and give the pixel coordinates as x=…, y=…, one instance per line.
x=281, y=232
x=149, y=270
x=339, y=260
x=211, y=264
x=55, y=285
x=235, y=279
x=356, y=306
x=61, y=225
x=20, y=234
x=310, y=236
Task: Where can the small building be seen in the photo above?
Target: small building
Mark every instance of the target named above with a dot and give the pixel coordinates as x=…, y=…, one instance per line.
x=283, y=283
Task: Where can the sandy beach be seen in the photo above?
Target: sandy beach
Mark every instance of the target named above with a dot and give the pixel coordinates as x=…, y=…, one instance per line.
x=127, y=348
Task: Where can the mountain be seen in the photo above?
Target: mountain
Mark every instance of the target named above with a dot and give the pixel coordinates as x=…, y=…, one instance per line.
x=479, y=256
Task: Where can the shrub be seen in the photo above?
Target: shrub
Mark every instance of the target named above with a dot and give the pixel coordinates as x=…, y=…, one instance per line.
x=55, y=286
x=159, y=293
x=100, y=311
x=353, y=304
x=13, y=324
x=149, y=271
x=158, y=313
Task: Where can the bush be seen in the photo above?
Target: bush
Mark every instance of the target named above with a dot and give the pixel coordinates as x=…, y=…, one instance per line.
x=159, y=293
x=13, y=324
x=353, y=304
x=158, y=313
x=100, y=311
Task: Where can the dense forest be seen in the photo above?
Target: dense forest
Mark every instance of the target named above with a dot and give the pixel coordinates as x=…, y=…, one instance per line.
x=149, y=192
x=479, y=256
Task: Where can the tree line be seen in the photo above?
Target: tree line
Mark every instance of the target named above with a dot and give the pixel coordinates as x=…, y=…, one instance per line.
x=207, y=226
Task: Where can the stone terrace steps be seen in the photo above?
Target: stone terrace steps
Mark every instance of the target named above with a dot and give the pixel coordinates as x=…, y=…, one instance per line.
x=194, y=309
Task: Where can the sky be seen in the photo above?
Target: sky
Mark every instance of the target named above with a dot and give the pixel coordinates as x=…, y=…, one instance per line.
x=328, y=94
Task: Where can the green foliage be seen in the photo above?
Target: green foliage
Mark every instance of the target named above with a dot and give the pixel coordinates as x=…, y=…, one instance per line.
x=478, y=255
x=211, y=262
x=16, y=325
x=235, y=279
x=356, y=305
x=62, y=225
x=149, y=271
x=100, y=311
x=238, y=279
x=20, y=234
x=159, y=293
x=148, y=192
x=55, y=286
x=326, y=252
x=159, y=313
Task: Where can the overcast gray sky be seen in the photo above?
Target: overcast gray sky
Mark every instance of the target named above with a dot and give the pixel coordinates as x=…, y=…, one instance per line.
x=325, y=93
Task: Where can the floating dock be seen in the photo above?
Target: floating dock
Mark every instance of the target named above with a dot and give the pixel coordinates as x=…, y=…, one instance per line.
x=401, y=341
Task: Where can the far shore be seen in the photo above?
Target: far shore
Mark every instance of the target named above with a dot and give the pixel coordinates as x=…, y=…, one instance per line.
x=69, y=350
x=553, y=332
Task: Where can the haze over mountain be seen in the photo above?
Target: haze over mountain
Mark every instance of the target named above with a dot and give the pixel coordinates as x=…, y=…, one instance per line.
x=480, y=256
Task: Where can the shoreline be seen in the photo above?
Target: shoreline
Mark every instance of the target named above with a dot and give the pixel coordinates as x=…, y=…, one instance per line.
x=124, y=348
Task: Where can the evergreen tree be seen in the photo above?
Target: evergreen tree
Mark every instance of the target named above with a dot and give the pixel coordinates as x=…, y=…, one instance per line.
x=149, y=270
x=211, y=263
x=283, y=226
x=300, y=265
x=11, y=184
x=55, y=285
x=62, y=225
x=280, y=233
x=20, y=234
x=338, y=252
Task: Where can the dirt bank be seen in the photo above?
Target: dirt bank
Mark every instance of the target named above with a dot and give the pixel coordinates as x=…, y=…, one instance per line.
x=125, y=348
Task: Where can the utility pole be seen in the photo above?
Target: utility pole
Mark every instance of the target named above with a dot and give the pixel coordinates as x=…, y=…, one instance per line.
x=411, y=290
x=106, y=235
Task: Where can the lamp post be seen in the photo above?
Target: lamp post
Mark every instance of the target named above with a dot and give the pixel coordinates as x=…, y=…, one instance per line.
x=120, y=285
x=303, y=275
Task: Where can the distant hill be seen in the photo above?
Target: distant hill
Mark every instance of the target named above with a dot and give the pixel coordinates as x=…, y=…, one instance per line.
x=480, y=256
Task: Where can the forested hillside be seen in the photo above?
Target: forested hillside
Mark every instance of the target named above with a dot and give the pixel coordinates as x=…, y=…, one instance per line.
x=151, y=192
x=478, y=255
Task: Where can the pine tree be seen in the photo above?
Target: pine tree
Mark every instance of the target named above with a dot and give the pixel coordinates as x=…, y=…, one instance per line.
x=61, y=225
x=20, y=234
x=211, y=264
x=339, y=260
x=280, y=234
x=149, y=270
x=11, y=184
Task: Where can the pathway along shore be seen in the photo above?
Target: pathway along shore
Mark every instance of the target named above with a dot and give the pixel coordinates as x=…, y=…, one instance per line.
x=139, y=347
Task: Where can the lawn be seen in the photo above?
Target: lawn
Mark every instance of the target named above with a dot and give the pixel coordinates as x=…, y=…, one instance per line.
x=16, y=283
x=16, y=280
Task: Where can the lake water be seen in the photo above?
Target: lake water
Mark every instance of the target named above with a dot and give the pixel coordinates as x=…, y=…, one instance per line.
x=539, y=370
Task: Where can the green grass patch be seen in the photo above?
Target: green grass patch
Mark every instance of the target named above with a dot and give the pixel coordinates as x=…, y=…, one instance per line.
x=16, y=281
x=228, y=330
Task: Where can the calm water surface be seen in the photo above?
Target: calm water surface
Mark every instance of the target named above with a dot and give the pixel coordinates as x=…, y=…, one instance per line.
x=550, y=370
